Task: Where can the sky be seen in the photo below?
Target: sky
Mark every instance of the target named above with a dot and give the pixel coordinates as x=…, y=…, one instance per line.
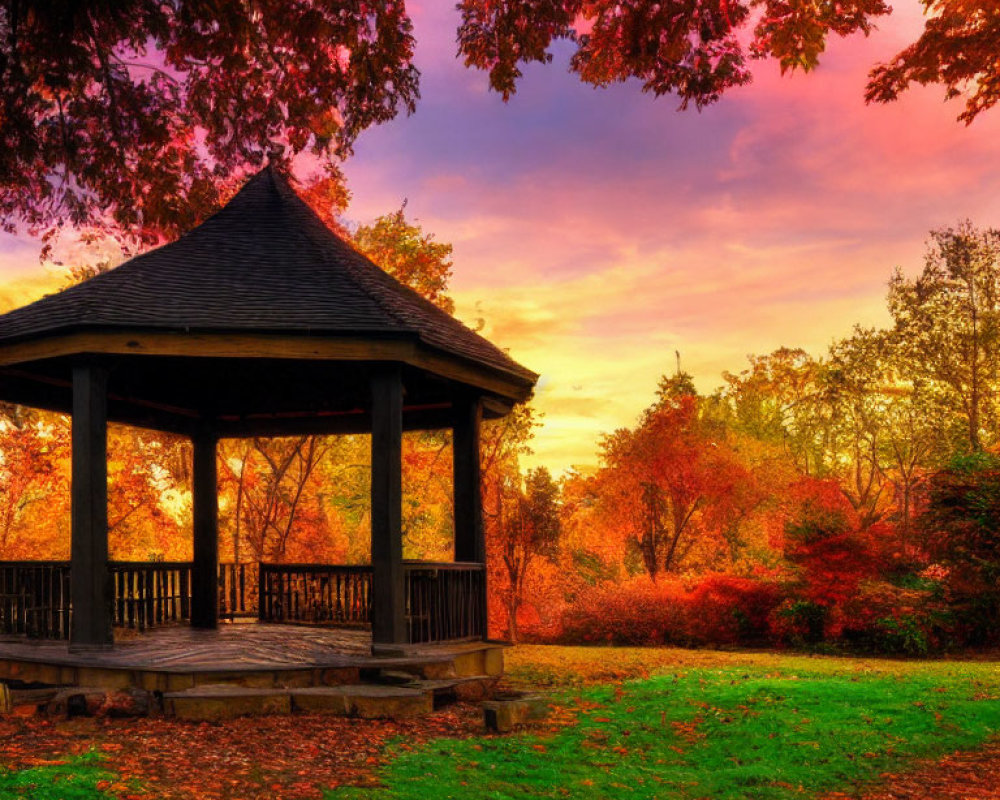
x=596, y=232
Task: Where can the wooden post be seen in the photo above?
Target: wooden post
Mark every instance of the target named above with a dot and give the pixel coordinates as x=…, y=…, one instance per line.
x=470, y=543
x=205, y=567
x=90, y=580
x=470, y=536
x=388, y=602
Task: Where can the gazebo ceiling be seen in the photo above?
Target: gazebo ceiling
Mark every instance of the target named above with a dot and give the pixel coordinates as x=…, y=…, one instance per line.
x=260, y=319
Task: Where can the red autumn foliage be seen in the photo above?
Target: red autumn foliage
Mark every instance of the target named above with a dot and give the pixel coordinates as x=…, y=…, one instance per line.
x=720, y=609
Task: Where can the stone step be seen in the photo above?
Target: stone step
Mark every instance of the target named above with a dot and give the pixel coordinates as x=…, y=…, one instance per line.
x=225, y=701
x=469, y=688
x=368, y=701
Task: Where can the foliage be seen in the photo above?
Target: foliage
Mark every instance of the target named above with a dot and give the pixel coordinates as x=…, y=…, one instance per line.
x=700, y=49
x=696, y=50
x=955, y=49
x=947, y=321
x=142, y=116
x=411, y=256
x=962, y=523
x=719, y=610
x=672, y=481
x=520, y=515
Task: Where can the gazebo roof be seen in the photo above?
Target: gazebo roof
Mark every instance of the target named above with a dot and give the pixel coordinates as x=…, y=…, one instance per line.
x=260, y=293
x=265, y=263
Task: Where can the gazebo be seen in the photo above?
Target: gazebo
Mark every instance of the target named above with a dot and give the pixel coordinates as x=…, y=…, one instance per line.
x=259, y=322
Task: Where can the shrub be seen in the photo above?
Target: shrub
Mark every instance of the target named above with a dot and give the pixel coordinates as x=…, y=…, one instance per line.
x=719, y=610
x=799, y=622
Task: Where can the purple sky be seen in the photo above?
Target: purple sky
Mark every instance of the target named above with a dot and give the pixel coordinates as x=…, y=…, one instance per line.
x=598, y=231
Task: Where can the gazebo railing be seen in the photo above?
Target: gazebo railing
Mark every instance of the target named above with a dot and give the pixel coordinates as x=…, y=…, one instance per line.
x=239, y=590
x=315, y=593
x=444, y=601
x=150, y=593
x=34, y=599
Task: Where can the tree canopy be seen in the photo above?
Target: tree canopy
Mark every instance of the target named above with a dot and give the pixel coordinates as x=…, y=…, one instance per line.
x=140, y=117
x=143, y=115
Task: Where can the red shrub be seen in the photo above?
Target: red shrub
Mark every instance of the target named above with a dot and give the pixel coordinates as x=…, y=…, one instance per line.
x=720, y=610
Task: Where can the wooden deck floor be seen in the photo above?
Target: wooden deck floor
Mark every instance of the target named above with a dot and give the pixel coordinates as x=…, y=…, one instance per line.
x=232, y=648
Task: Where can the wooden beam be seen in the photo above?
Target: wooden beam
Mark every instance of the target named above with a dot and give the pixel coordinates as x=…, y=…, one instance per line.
x=425, y=418
x=470, y=543
x=399, y=349
x=90, y=581
x=388, y=585
x=205, y=566
x=56, y=394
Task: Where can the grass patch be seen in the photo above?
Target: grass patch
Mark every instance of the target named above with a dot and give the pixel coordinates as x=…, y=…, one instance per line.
x=785, y=728
x=76, y=778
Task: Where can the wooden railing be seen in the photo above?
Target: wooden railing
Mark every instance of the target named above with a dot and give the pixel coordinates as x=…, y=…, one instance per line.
x=151, y=593
x=315, y=593
x=34, y=598
x=444, y=601
x=239, y=587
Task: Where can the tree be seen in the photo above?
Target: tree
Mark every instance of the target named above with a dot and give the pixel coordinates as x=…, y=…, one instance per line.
x=32, y=474
x=272, y=477
x=529, y=521
x=783, y=399
x=693, y=48
x=947, y=323
x=891, y=429
x=962, y=525
x=958, y=48
x=673, y=482
x=503, y=443
x=142, y=115
x=699, y=49
x=411, y=256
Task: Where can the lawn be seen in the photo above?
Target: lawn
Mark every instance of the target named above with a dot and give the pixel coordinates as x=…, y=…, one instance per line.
x=635, y=723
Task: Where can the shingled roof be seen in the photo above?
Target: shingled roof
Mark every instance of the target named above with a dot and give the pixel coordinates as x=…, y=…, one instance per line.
x=265, y=263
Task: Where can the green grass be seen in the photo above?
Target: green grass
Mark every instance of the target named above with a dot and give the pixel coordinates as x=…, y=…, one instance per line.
x=731, y=732
x=77, y=779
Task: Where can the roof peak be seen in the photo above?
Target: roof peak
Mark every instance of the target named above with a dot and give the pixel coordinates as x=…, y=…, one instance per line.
x=265, y=262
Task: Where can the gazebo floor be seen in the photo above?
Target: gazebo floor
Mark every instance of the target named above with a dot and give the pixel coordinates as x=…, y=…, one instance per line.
x=251, y=655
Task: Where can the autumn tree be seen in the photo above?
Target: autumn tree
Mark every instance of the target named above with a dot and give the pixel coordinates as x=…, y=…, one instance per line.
x=888, y=423
x=672, y=480
x=783, y=398
x=32, y=476
x=699, y=49
x=503, y=443
x=411, y=256
x=962, y=526
x=947, y=323
x=142, y=115
x=272, y=479
x=528, y=521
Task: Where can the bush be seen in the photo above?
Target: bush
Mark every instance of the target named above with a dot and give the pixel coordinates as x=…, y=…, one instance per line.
x=719, y=610
x=799, y=622
x=901, y=635
x=911, y=619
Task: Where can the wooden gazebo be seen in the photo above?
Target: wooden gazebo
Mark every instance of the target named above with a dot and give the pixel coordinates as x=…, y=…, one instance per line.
x=259, y=322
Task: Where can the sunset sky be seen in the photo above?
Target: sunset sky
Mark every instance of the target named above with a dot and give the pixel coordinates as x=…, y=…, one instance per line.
x=598, y=231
